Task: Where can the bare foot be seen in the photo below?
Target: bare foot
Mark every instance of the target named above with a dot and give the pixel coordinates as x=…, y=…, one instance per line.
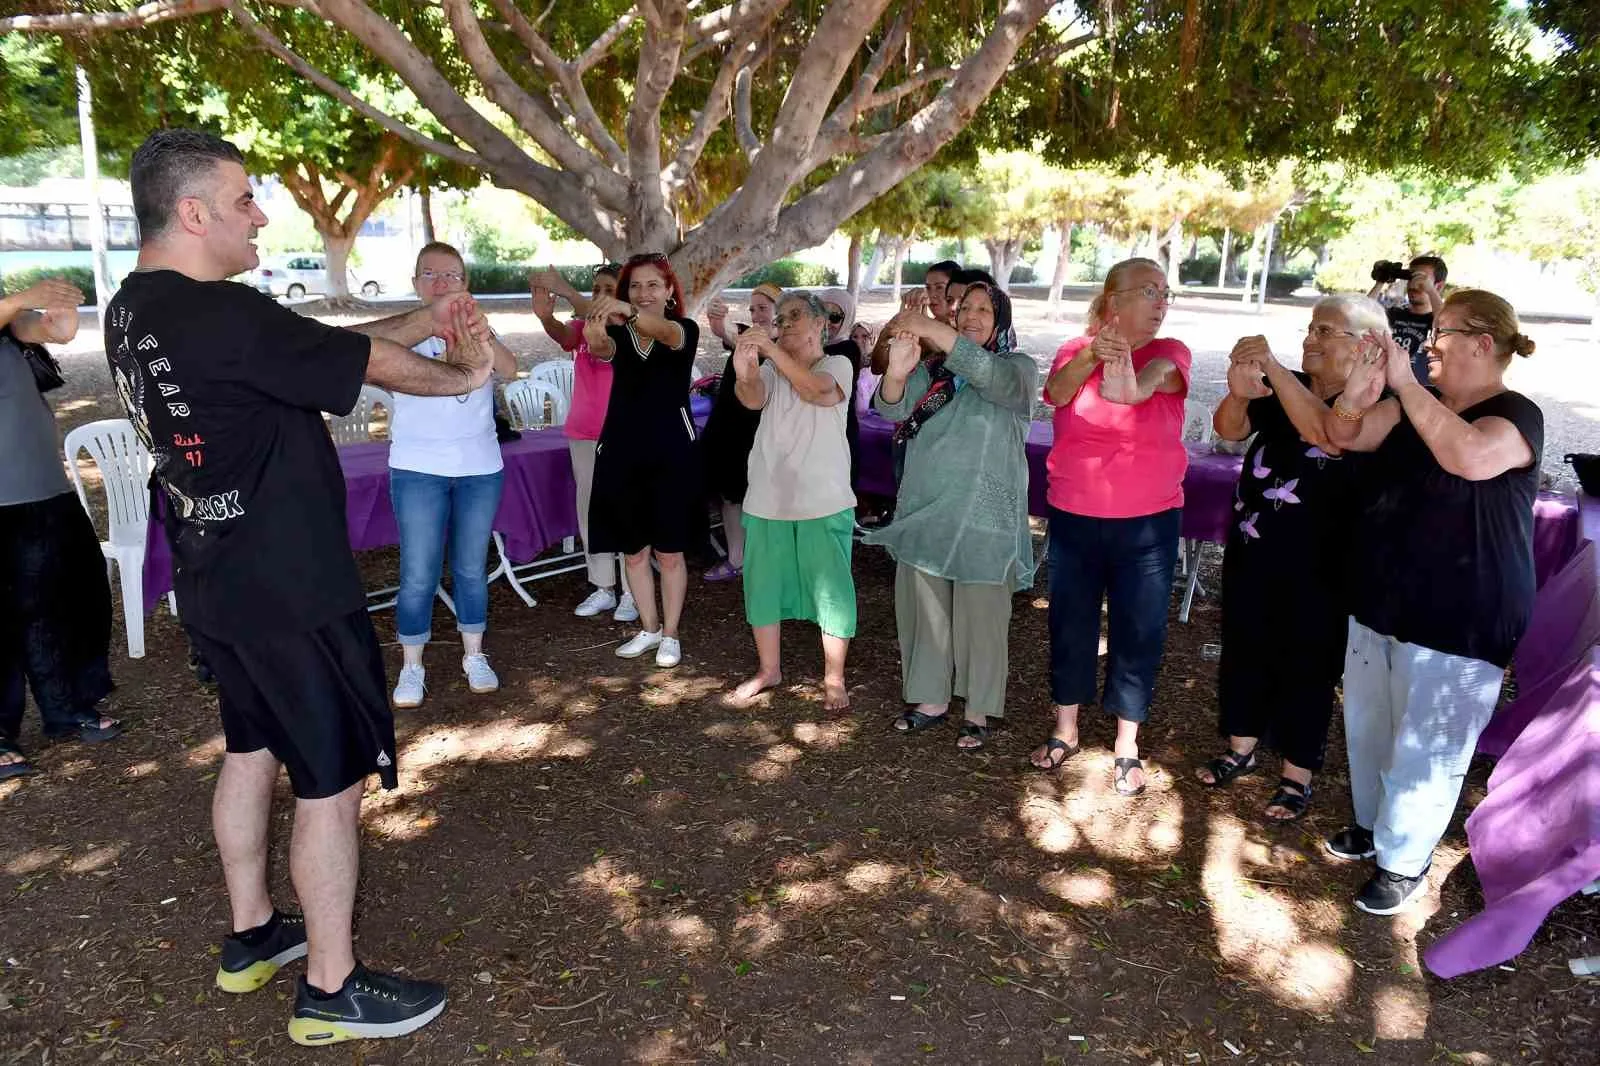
x=835, y=697
x=745, y=693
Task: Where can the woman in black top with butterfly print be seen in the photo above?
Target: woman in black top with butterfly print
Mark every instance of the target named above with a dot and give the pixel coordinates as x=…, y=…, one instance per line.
x=1283, y=607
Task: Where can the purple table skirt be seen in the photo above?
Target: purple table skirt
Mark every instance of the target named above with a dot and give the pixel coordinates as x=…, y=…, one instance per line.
x=538, y=506
x=1535, y=839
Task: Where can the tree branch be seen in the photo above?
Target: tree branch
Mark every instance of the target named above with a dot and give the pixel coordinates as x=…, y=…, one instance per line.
x=743, y=125
x=657, y=70
x=505, y=93
x=745, y=55
x=272, y=44
x=571, y=82
x=603, y=44
x=85, y=22
x=917, y=81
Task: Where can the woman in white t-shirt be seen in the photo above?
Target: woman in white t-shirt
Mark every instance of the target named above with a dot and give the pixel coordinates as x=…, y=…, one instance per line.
x=799, y=511
x=445, y=472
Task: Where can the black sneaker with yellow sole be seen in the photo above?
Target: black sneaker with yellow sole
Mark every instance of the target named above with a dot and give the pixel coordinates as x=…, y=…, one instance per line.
x=368, y=1005
x=249, y=960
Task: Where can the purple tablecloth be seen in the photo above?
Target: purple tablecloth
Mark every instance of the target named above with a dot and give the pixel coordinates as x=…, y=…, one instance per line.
x=1207, y=487
x=538, y=506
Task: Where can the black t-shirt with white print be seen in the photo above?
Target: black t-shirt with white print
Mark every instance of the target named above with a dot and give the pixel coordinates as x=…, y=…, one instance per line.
x=226, y=388
x=1410, y=331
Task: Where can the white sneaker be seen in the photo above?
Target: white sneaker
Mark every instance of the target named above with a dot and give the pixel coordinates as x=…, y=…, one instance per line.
x=409, y=691
x=480, y=677
x=642, y=642
x=670, y=653
x=627, y=610
x=599, y=600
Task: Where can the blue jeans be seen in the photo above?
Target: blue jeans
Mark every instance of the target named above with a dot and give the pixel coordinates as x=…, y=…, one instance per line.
x=1129, y=563
x=426, y=508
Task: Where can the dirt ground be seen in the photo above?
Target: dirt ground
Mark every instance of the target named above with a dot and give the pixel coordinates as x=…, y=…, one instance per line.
x=607, y=865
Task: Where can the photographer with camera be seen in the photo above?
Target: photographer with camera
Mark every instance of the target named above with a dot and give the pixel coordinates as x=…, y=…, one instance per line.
x=1410, y=324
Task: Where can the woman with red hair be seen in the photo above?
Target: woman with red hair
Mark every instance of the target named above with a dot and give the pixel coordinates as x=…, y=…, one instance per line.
x=646, y=495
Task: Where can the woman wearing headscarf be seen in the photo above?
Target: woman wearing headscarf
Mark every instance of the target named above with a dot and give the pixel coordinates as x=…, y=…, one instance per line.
x=730, y=429
x=960, y=534
x=841, y=309
x=800, y=510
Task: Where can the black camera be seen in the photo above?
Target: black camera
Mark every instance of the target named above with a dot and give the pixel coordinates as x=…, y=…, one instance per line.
x=1385, y=271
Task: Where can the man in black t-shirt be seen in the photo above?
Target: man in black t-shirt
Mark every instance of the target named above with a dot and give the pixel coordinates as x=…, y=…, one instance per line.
x=227, y=389
x=1410, y=324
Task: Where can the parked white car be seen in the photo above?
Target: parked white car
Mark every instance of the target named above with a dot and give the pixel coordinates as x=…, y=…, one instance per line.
x=305, y=275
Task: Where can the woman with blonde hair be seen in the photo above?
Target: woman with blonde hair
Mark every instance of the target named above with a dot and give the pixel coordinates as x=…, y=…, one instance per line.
x=1116, y=499
x=1441, y=576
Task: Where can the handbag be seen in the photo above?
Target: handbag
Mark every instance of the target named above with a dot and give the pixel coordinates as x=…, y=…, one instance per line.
x=46, y=371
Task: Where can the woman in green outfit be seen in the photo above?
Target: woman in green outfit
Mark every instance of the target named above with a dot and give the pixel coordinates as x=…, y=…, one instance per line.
x=960, y=532
x=799, y=509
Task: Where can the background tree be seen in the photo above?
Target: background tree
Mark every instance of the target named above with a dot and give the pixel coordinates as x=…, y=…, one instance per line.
x=934, y=202
x=701, y=131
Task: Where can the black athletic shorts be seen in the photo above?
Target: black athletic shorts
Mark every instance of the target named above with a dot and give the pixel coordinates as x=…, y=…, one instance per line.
x=317, y=700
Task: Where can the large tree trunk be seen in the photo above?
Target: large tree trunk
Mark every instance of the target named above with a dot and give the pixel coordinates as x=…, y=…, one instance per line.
x=1003, y=256
x=1063, y=263
x=869, y=277
x=337, y=246
x=899, y=261
x=425, y=196
x=1222, y=268
x=853, y=270
x=1251, y=263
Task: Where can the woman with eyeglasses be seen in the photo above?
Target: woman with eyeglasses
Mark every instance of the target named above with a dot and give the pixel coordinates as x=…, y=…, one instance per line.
x=1115, y=506
x=646, y=496
x=799, y=513
x=591, y=392
x=730, y=429
x=445, y=475
x=960, y=536
x=1441, y=575
x=1285, y=603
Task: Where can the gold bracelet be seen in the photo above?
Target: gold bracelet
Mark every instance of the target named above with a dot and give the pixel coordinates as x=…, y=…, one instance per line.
x=1343, y=412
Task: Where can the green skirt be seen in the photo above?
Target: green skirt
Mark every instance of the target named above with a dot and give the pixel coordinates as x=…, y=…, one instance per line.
x=800, y=571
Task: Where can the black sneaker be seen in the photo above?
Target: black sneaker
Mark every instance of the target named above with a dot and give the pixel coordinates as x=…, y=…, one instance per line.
x=368, y=1005
x=245, y=968
x=1351, y=842
x=1389, y=893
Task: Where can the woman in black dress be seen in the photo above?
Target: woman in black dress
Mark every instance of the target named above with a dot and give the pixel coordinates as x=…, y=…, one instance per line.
x=731, y=429
x=646, y=496
x=1284, y=609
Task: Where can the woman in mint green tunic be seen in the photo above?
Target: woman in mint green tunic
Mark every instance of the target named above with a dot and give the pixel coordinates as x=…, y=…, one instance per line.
x=960, y=532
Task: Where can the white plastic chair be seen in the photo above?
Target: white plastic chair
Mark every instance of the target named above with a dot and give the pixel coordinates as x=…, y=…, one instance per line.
x=1196, y=428
x=559, y=374
x=356, y=426
x=125, y=472
x=525, y=399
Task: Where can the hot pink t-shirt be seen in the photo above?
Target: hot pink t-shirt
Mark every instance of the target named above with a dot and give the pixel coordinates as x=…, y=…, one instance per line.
x=591, y=391
x=1115, y=460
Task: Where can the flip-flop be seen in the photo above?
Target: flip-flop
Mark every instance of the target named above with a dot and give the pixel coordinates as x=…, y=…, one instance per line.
x=1119, y=781
x=914, y=721
x=21, y=768
x=1051, y=746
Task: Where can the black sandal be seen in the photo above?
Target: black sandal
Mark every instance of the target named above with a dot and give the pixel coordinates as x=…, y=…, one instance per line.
x=21, y=768
x=1051, y=746
x=1229, y=765
x=90, y=731
x=914, y=721
x=1293, y=797
x=1119, y=781
x=980, y=733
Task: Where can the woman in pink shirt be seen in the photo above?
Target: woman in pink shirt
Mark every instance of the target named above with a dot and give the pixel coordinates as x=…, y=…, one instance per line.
x=1116, y=498
x=591, y=390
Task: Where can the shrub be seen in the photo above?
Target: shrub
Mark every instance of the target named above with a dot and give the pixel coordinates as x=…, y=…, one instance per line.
x=81, y=276
x=1281, y=283
x=1023, y=274
x=493, y=278
x=788, y=274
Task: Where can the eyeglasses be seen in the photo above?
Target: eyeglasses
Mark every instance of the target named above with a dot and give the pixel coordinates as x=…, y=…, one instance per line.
x=1153, y=293
x=441, y=275
x=1322, y=332
x=1435, y=333
x=836, y=317
x=792, y=317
